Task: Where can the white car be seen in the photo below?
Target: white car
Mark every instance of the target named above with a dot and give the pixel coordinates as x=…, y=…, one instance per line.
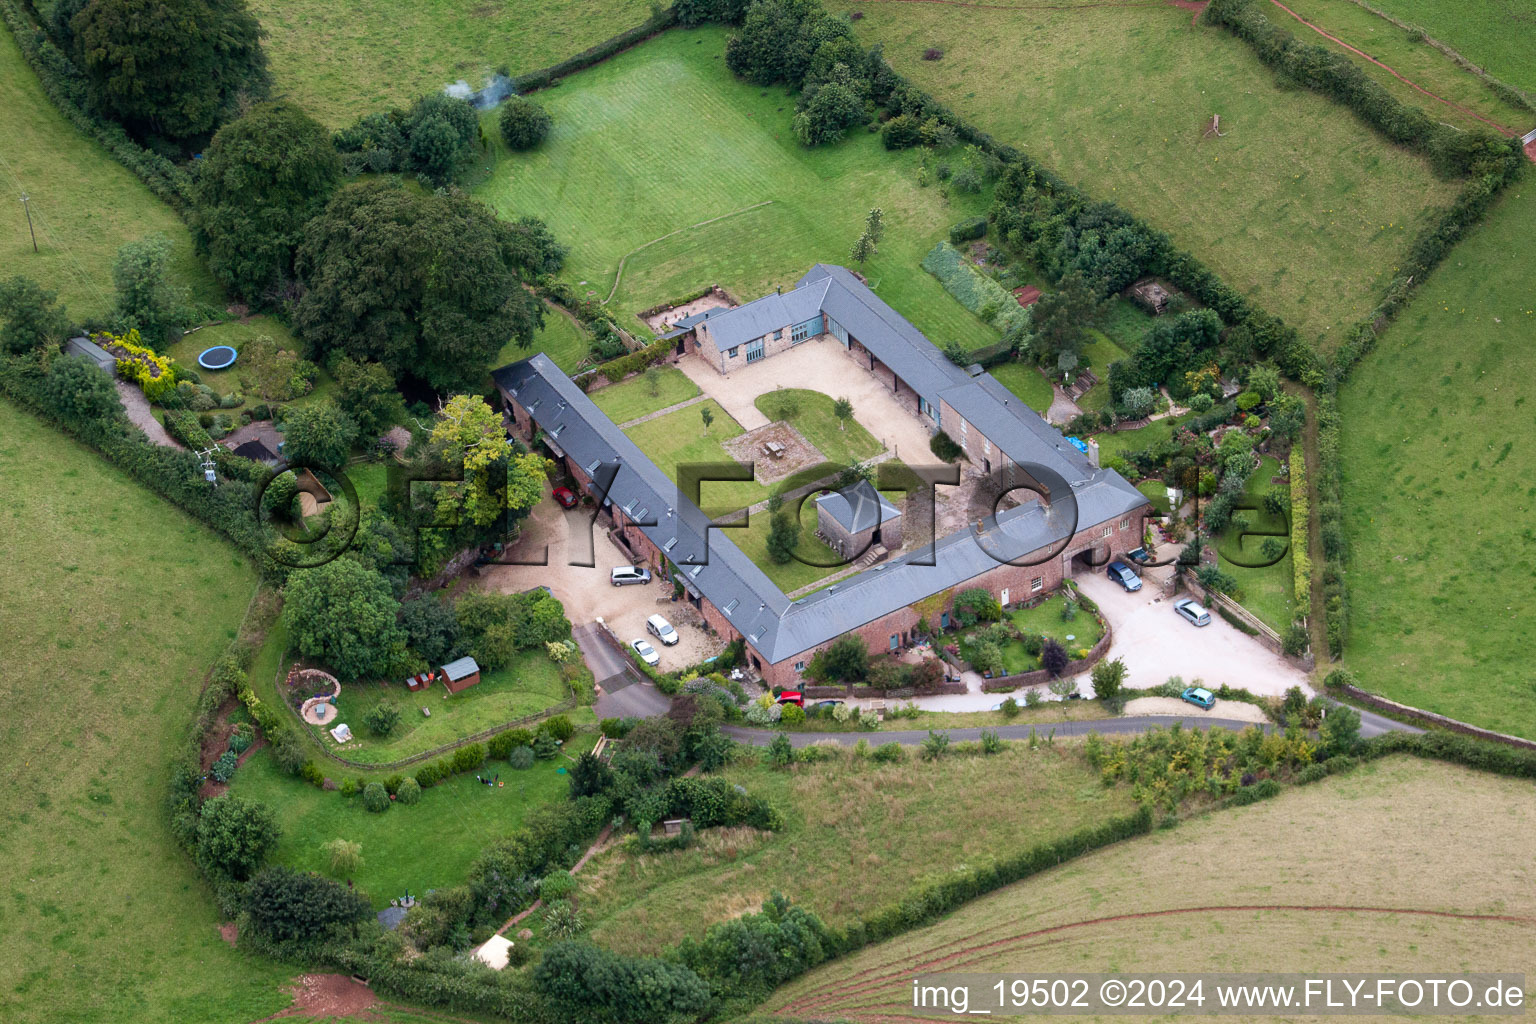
x=661, y=629
x=646, y=651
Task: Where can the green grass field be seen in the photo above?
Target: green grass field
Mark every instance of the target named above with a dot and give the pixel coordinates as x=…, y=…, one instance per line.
x=1299, y=207
x=857, y=836
x=663, y=137
x=561, y=338
x=1024, y=380
x=1268, y=591
x=527, y=686
x=340, y=61
x=115, y=604
x=753, y=542
x=679, y=438
x=632, y=398
x=428, y=845
x=810, y=412
x=83, y=203
x=1198, y=893
x=1438, y=486
x=1498, y=35
x=1419, y=62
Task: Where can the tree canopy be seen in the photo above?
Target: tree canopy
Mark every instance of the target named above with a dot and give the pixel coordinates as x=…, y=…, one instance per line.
x=33, y=317
x=444, y=134
x=344, y=615
x=289, y=905
x=260, y=181
x=173, y=68
x=234, y=836
x=319, y=435
x=524, y=123
x=423, y=283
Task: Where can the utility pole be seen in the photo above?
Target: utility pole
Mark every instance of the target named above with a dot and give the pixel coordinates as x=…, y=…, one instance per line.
x=24, y=206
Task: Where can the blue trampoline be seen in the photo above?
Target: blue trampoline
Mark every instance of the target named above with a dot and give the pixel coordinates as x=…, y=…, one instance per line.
x=219, y=357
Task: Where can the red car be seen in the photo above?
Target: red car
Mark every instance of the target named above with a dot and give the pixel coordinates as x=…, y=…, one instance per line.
x=792, y=697
x=566, y=497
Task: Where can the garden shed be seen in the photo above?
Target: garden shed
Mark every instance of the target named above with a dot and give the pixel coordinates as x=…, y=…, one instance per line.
x=1149, y=295
x=461, y=675
x=85, y=348
x=852, y=519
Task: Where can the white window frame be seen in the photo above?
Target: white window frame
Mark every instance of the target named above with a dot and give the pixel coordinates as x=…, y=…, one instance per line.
x=731, y=352
x=1125, y=524
x=1037, y=584
x=1106, y=531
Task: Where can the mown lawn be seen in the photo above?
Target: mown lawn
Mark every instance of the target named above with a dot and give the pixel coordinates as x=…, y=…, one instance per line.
x=529, y=685
x=83, y=203
x=633, y=398
x=1045, y=620
x=428, y=845
x=1118, y=442
x=1419, y=62
x=680, y=438
x=810, y=412
x=1026, y=381
x=561, y=338
x=753, y=542
x=115, y=604
x=1499, y=36
x=342, y=60
x=663, y=137
x=1300, y=206
x=1267, y=590
x=1100, y=353
x=238, y=377
x=1438, y=487
x=857, y=836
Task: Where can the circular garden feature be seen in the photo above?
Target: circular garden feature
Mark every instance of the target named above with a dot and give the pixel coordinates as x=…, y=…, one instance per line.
x=219, y=357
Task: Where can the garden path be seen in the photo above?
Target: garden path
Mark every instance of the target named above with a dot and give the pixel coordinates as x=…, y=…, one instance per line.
x=142, y=416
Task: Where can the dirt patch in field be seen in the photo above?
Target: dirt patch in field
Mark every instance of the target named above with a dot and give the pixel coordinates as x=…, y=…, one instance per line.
x=229, y=932
x=798, y=452
x=1027, y=295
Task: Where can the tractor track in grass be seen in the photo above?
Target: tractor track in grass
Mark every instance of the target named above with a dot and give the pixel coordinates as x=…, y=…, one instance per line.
x=866, y=980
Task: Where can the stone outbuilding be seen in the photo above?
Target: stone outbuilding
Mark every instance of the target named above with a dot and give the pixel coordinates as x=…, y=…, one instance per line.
x=850, y=521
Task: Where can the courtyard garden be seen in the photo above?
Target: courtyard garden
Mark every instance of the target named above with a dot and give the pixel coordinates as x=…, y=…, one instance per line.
x=610, y=179
x=653, y=390
x=1013, y=643
x=814, y=415
x=683, y=438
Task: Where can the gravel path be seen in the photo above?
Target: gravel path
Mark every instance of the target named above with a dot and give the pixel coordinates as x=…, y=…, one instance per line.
x=142, y=416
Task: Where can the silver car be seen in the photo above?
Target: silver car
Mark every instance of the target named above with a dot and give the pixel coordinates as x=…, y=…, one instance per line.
x=646, y=652
x=1192, y=611
x=623, y=575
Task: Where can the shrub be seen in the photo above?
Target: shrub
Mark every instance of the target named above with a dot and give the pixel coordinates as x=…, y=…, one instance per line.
x=521, y=758
x=991, y=742
x=793, y=714
x=1010, y=707
x=1053, y=657
x=557, y=886
x=382, y=718
x=935, y=746
x=524, y=123
x=558, y=726
x=888, y=753
x=945, y=448
x=224, y=768
x=287, y=905
x=409, y=792
x=345, y=857
x=467, y=758
x=967, y=230
x=562, y=920
x=545, y=746
x=375, y=797
x=1108, y=680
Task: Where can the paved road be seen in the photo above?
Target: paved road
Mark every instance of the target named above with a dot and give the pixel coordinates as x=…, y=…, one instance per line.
x=611, y=670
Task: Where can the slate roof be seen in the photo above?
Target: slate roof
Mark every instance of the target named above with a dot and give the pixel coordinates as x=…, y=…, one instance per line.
x=859, y=508
x=85, y=348
x=713, y=566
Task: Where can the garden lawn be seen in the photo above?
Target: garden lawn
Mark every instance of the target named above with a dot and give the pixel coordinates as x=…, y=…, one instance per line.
x=663, y=137
x=753, y=542
x=1157, y=493
x=1101, y=352
x=1419, y=62
x=1300, y=207
x=1500, y=36
x=561, y=338
x=1267, y=590
x=1118, y=442
x=1440, y=482
x=814, y=419
x=1131, y=908
x=857, y=836
x=679, y=438
x=1045, y=620
x=632, y=398
x=237, y=378
x=115, y=604
x=428, y=845
x=1026, y=381
x=83, y=203
x=342, y=60
x=527, y=686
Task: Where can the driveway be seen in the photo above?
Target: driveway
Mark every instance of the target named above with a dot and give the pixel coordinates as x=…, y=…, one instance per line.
x=821, y=365
x=1155, y=644
x=587, y=593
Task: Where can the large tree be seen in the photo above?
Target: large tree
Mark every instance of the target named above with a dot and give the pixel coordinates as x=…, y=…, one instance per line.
x=319, y=435
x=173, y=68
x=344, y=615
x=234, y=836
x=147, y=298
x=261, y=180
x=293, y=906
x=444, y=134
x=423, y=283
x=1062, y=317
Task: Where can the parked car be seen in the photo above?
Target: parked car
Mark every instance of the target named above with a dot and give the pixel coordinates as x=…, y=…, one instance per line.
x=661, y=629
x=792, y=697
x=1139, y=556
x=646, y=651
x=1192, y=611
x=823, y=707
x=623, y=575
x=1123, y=575
x=566, y=497
x=1200, y=697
